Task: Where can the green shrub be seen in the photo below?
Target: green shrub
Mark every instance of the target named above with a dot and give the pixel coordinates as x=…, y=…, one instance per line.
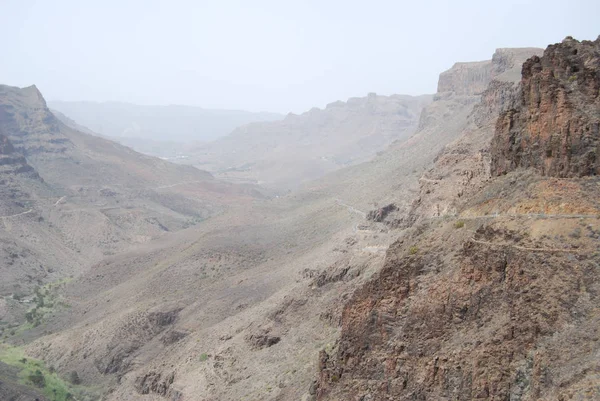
x=37, y=378
x=413, y=250
x=74, y=378
x=459, y=224
x=576, y=233
x=30, y=316
x=18, y=297
x=203, y=357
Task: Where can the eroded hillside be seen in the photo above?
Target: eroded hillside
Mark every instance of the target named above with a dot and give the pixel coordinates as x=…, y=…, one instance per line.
x=70, y=199
x=419, y=274
x=240, y=306
x=300, y=148
x=492, y=292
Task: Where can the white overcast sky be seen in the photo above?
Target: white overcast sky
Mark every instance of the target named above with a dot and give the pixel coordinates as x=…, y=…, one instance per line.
x=264, y=55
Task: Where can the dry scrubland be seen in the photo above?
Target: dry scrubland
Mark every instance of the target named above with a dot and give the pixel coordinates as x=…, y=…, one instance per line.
x=155, y=281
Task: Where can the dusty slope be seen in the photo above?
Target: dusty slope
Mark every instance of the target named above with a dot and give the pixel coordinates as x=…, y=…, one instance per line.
x=69, y=199
x=299, y=148
x=395, y=175
x=239, y=306
x=498, y=299
x=463, y=167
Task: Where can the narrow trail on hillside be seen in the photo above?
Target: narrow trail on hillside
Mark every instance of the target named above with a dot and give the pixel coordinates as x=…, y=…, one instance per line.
x=429, y=180
x=524, y=248
x=16, y=215
x=529, y=215
x=177, y=184
x=350, y=208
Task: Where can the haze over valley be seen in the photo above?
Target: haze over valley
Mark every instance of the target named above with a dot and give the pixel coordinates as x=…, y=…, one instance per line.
x=438, y=244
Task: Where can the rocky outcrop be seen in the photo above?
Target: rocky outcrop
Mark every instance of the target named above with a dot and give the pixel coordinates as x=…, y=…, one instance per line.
x=463, y=166
x=15, y=172
x=466, y=78
x=378, y=215
x=13, y=163
x=154, y=382
x=139, y=329
x=497, y=301
x=480, y=318
x=29, y=124
x=262, y=339
x=555, y=124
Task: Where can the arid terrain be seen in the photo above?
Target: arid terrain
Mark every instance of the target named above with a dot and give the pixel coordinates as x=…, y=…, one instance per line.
x=492, y=291
x=439, y=247
x=282, y=155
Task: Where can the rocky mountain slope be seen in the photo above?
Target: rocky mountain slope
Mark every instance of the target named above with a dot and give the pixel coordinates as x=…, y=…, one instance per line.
x=70, y=199
x=300, y=148
x=240, y=306
x=492, y=295
x=554, y=124
x=395, y=175
x=463, y=166
x=443, y=268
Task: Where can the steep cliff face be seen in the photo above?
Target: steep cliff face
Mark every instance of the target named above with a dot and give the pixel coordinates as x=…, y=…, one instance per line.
x=498, y=301
x=26, y=120
x=16, y=176
x=510, y=312
x=466, y=78
x=463, y=166
x=11, y=162
x=555, y=124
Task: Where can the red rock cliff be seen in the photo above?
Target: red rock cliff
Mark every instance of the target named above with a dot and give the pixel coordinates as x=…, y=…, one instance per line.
x=502, y=301
x=555, y=124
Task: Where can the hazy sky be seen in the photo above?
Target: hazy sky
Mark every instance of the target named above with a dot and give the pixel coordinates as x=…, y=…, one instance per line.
x=264, y=55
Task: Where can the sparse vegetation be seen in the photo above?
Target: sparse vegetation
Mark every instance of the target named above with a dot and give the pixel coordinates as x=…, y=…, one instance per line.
x=74, y=378
x=203, y=357
x=37, y=378
x=18, y=296
x=47, y=300
x=413, y=250
x=34, y=373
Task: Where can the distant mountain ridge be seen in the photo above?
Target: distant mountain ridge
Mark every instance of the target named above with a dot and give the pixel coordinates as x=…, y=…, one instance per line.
x=284, y=154
x=241, y=293
x=491, y=291
x=65, y=193
x=165, y=123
